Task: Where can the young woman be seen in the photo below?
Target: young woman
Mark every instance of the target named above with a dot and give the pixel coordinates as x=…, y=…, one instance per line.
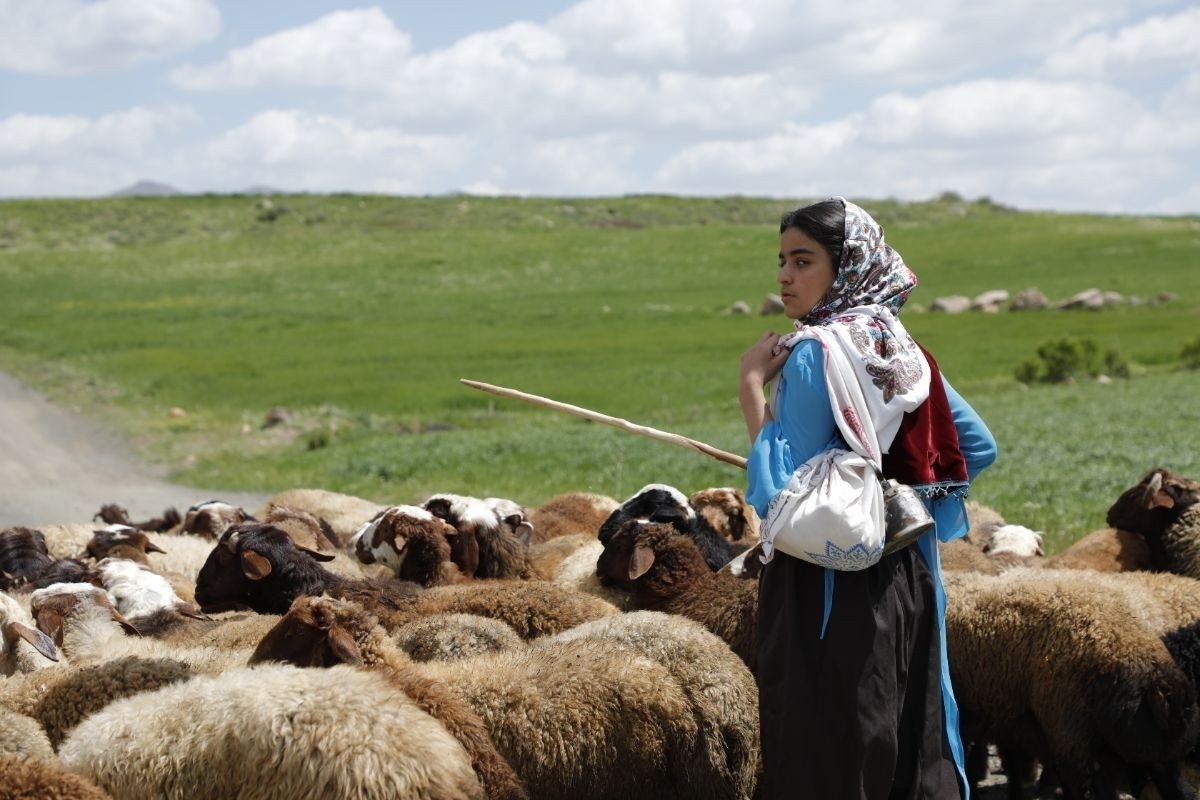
x=854, y=691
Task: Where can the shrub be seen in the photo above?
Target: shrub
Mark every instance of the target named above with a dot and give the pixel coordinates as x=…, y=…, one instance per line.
x=1062, y=360
x=1191, y=353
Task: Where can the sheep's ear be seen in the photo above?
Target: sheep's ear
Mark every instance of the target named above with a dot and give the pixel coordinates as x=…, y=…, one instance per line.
x=189, y=610
x=641, y=561
x=1160, y=499
x=151, y=547
x=343, y=646
x=40, y=641
x=50, y=622
x=525, y=532
x=316, y=554
x=255, y=566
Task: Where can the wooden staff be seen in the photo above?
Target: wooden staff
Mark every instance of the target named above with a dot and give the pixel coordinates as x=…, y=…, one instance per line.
x=616, y=422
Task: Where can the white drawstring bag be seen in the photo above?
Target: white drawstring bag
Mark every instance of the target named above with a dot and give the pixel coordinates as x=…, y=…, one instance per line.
x=830, y=513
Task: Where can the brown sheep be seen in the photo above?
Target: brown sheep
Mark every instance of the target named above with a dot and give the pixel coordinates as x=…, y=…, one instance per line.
x=570, y=513
x=1164, y=509
x=1104, y=550
x=665, y=571
x=727, y=511
x=502, y=554
x=413, y=543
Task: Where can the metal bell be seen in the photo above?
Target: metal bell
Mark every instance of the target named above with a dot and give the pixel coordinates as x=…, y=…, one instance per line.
x=905, y=516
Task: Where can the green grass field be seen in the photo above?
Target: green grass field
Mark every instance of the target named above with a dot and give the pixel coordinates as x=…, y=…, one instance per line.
x=360, y=314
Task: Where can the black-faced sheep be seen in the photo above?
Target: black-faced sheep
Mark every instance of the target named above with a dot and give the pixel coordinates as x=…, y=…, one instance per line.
x=23, y=556
x=588, y=718
x=659, y=502
x=1061, y=667
x=274, y=732
x=411, y=542
x=259, y=567
x=570, y=513
x=1164, y=509
x=501, y=553
x=666, y=571
x=322, y=632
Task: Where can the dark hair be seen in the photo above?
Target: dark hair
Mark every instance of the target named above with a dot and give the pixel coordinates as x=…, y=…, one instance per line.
x=825, y=222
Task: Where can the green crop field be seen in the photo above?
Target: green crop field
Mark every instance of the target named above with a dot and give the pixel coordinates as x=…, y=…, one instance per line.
x=360, y=314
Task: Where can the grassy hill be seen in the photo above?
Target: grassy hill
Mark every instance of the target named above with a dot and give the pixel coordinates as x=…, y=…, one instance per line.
x=360, y=314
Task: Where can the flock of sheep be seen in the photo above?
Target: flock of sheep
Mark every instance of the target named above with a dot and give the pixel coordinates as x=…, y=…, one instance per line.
x=325, y=646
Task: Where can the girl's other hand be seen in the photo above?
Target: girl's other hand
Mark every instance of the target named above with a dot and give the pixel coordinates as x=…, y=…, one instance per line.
x=760, y=363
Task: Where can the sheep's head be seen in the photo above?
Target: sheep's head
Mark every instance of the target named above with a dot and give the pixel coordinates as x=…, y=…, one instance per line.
x=467, y=515
x=53, y=606
x=1015, y=539
x=727, y=512
x=23, y=556
x=409, y=540
x=631, y=551
x=1154, y=503
x=210, y=518
x=14, y=627
x=512, y=516
x=313, y=633
x=655, y=502
x=307, y=530
x=246, y=554
x=106, y=539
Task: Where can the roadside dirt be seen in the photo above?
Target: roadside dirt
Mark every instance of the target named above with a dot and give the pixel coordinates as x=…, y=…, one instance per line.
x=56, y=467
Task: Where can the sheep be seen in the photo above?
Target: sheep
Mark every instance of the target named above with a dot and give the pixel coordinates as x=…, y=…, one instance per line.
x=570, y=513
x=41, y=780
x=1163, y=508
x=210, y=518
x=726, y=511
x=260, y=567
x=22, y=737
x=667, y=572
x=501, y=553
x=24, y=647
x=66, y=540
x=321, y=632
x=271, y=732
x=23, y=556
x=140, y=593
x=306, y=529
x=64, y=570
x=1061, y=667
x=114, y=514
x=121, y=541
x=1004, y=547
x=983, y=520
x=448, y=637
x=344, y=513
x=721, y=689
x=658, y=502
x=548, y=556
x=412, y=543
x=1104, y=550
x=512, y=516
x=577, y=572
x=589, y=717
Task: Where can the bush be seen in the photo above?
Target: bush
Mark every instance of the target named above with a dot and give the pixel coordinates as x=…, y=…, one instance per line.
x=1191, y=353
x=1063, y=360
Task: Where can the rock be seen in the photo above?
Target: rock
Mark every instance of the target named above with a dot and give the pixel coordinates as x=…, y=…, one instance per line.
x=1091, y=299
x=278, y=415
x=176, y=412
x=1113, y=298
x=1029, y=300
x=771, y=304
x=954, y=304
x=1165, y=297
x=990, y=300
x=740, y=307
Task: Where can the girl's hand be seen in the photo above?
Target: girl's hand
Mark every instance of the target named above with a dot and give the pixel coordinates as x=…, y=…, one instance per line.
x=760, y=363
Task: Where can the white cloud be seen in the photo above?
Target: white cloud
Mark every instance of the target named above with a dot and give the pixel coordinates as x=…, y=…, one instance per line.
x=357, y=49
x=68, y=37
x=1154, y=45
x=319, y=152
x=125, y=134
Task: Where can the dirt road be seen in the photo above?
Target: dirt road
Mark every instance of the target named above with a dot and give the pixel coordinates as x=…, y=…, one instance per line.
x=56, y=467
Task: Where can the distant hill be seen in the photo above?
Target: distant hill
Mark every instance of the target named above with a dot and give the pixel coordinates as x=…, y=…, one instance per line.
x=146, y=189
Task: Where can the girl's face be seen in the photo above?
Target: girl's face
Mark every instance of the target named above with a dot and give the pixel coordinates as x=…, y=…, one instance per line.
x=805, y=272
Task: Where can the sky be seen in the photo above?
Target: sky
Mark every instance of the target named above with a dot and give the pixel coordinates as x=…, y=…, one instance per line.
x=1070, y=105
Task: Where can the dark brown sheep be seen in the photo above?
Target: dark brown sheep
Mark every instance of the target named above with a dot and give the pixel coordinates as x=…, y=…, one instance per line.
x=665, y=571
x=502, y=554
x=23, y=556
x=114, y=514
x=1164, y=509
x=412, y=542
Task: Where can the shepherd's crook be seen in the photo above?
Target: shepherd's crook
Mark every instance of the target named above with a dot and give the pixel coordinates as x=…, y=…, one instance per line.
x=616, y=422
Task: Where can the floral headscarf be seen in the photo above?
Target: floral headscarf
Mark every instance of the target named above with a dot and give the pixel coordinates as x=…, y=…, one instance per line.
x=871, y=273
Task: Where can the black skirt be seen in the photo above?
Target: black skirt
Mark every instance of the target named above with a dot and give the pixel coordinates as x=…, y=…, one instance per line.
x=859, y=713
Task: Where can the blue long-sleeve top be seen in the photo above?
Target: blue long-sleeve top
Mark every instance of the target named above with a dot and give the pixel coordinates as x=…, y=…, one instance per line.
x=803, y=426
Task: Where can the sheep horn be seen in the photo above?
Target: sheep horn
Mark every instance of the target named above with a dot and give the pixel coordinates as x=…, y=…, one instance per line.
x=40, y=641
